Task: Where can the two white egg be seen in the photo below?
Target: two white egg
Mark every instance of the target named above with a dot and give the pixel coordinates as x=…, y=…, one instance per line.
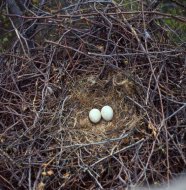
x=106, y=113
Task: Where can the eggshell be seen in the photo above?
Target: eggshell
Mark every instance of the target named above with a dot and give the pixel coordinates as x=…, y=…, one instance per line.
x=94, y=115
x=107, y=113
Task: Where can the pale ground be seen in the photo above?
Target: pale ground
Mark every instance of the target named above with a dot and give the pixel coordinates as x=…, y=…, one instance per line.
x=179, y=184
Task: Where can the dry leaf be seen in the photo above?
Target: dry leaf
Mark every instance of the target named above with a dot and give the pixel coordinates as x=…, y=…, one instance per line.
x=66, y=175
x=154, y=130
x=44, y=173
x=40, y=186
x=50, y=172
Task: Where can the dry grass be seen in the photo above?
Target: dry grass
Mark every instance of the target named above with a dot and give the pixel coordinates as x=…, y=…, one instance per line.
x=90, y=92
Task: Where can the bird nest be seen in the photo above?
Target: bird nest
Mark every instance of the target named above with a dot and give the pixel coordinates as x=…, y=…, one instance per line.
x=91, y=57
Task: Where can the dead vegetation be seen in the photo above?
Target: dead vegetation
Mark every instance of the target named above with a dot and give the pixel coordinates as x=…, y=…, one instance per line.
x=90, y=56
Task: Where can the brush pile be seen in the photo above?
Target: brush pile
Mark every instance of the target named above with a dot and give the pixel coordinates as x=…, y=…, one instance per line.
x=89, y=55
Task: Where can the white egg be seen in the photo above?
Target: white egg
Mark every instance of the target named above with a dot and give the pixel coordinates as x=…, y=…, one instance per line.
x=107, y=113
x=95, y=115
